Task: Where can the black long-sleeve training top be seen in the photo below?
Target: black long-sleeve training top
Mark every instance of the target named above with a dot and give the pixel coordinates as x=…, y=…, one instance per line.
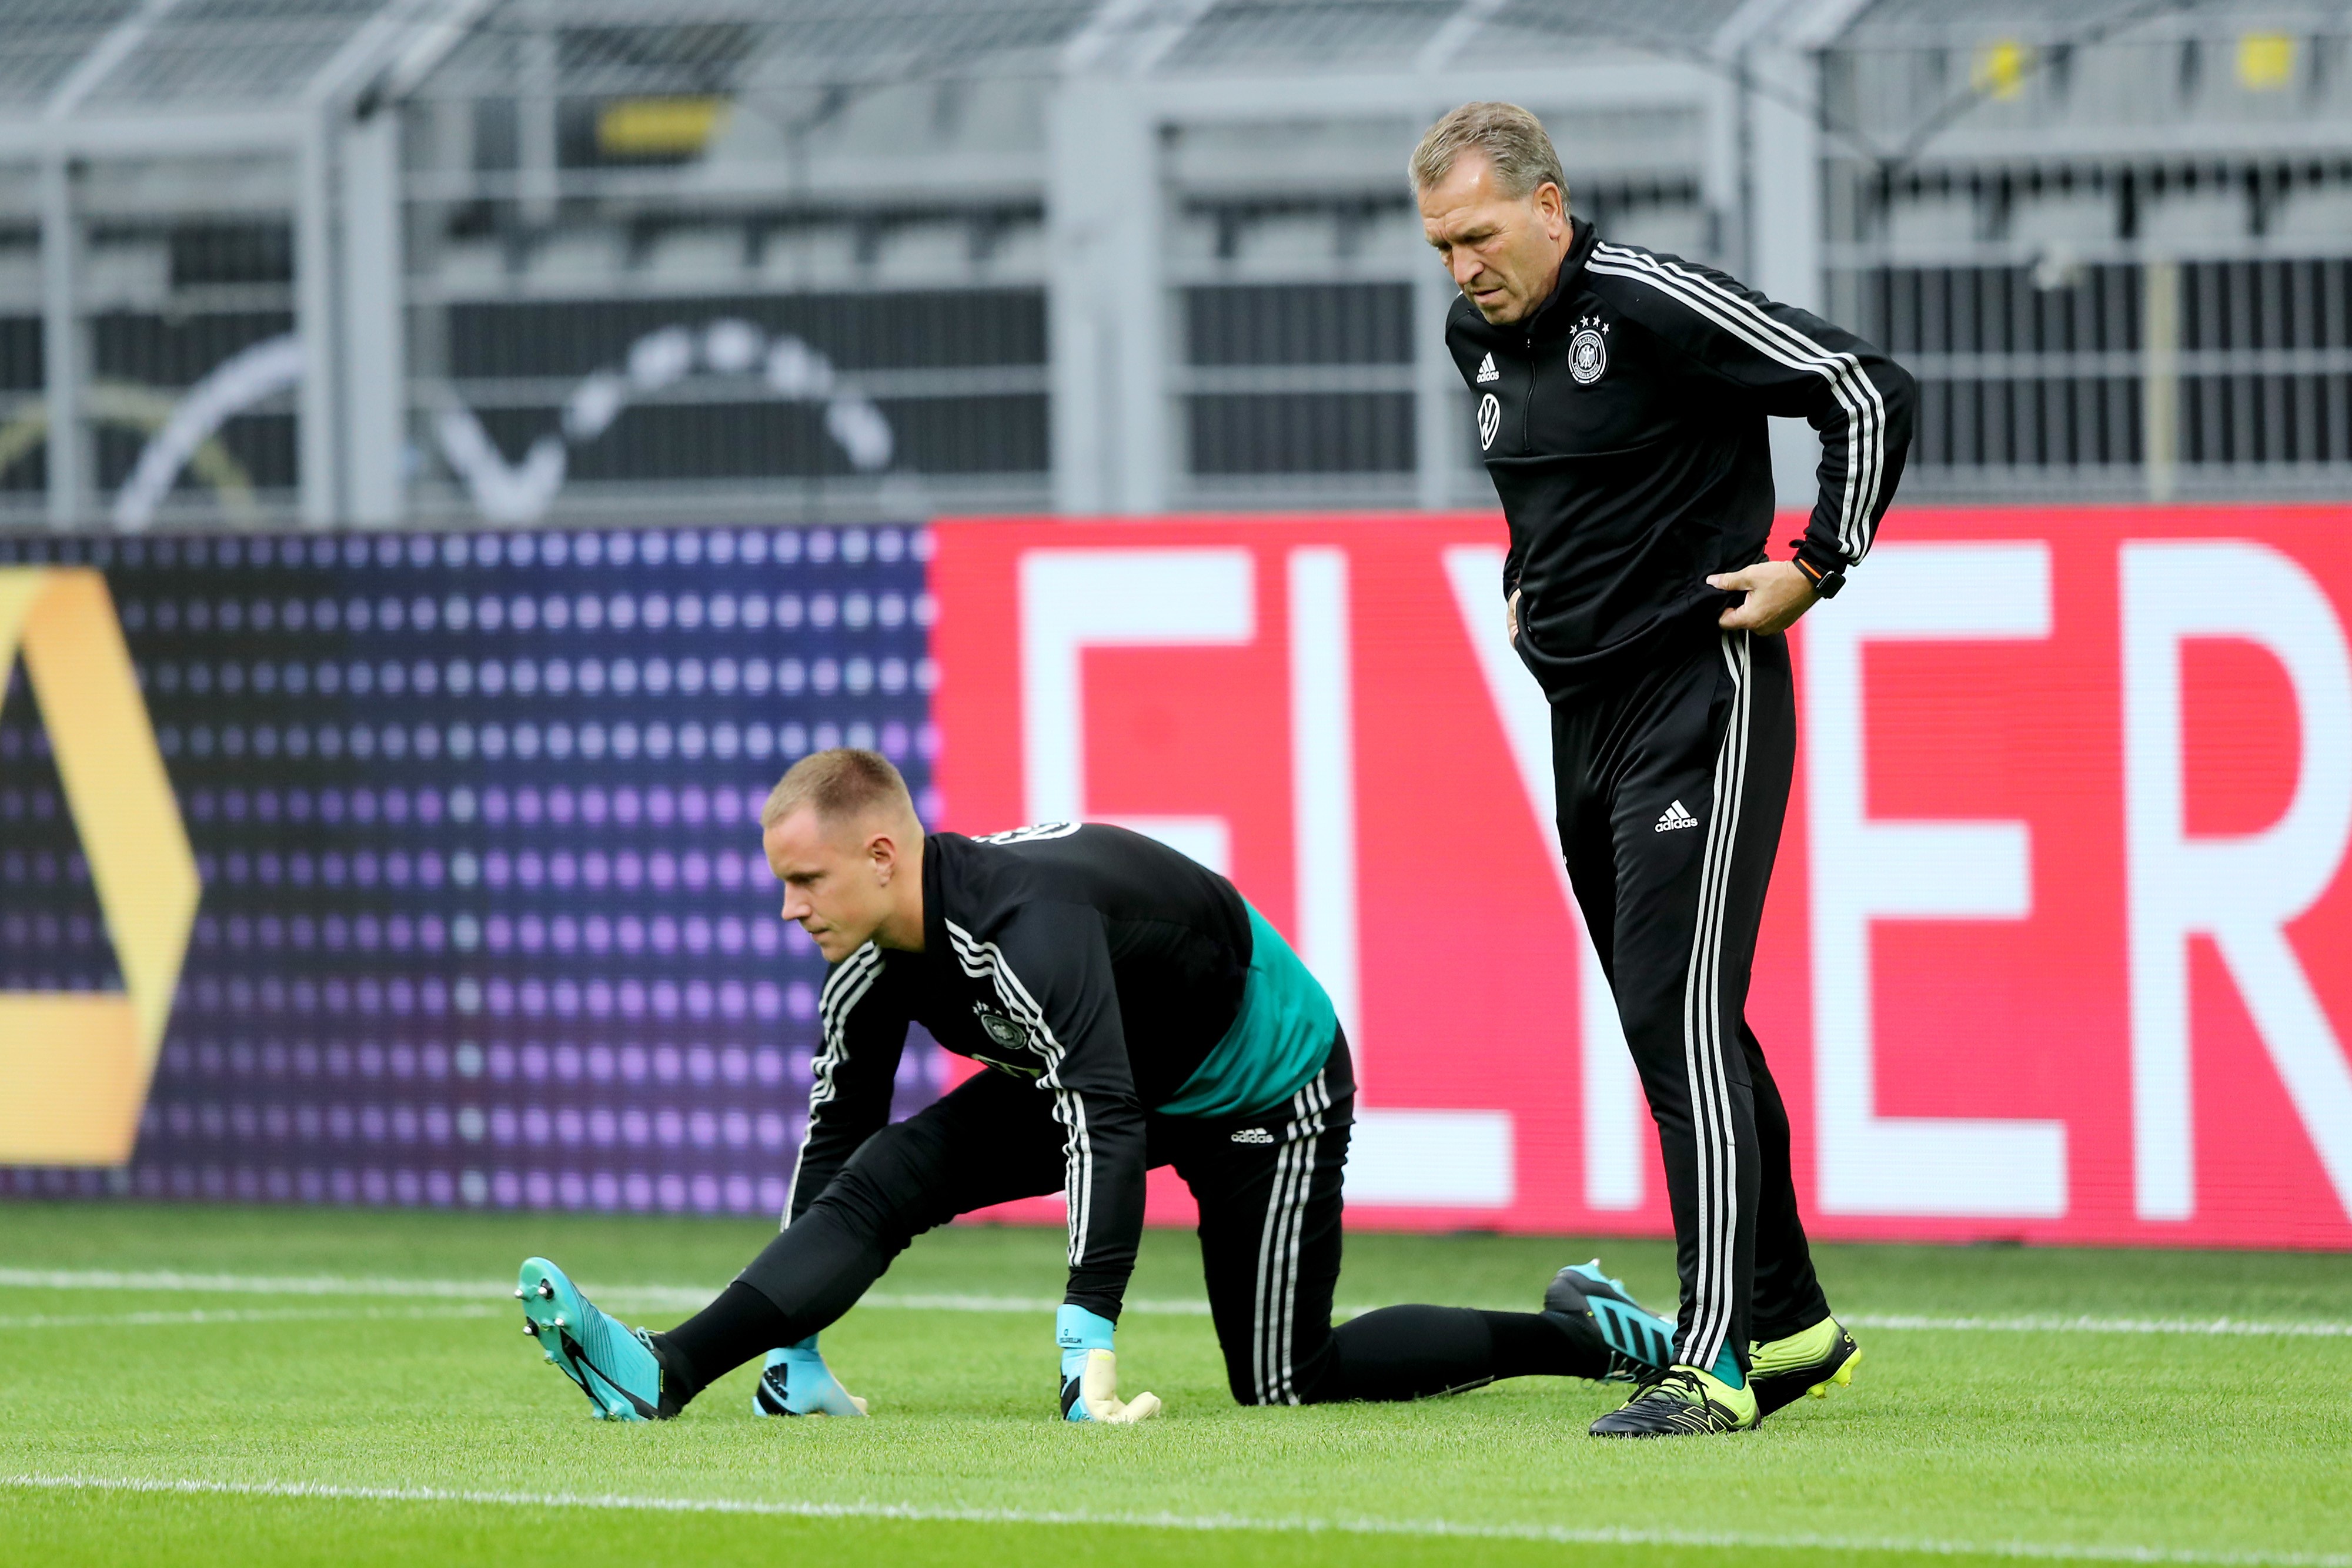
x=1098, y=964
x=1623, y=422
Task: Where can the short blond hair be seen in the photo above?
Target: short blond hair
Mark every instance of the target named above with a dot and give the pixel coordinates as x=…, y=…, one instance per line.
x=1513, y=142
x=844, y=782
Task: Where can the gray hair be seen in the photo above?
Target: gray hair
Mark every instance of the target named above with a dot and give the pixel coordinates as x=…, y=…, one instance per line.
x=1513, y=142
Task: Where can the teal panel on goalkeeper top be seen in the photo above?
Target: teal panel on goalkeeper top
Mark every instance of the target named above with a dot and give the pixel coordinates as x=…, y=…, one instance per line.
x=1281, y=1038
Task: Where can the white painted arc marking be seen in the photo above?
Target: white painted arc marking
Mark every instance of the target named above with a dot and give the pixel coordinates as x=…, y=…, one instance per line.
x=917, y=1513
x=690, y=1297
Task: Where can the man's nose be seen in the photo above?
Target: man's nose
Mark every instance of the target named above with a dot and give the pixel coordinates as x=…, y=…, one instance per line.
x=1464, y=266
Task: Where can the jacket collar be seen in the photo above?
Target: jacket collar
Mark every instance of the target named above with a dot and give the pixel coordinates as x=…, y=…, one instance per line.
x=1552, y=316
x=935, y=903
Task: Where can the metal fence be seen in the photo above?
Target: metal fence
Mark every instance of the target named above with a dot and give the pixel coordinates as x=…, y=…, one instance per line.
x=2111, y=240
x=436, y=261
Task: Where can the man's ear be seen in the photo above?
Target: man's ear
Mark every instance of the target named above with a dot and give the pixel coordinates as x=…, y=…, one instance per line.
x=1552, y=202
x=883, y=850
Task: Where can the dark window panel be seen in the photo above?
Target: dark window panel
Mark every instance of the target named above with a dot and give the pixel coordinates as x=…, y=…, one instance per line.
x=912, y=329
x=29, y=474
x=1302, y=433
x=20, y=354
x=788, y=440
x=970, y=435
x=238, y=253
x=1327, y=324
x=263, y=445
x=175, y=352
x=1974, y=311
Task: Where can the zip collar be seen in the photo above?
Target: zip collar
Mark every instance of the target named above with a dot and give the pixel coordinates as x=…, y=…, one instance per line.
x=935, y=903
x=1551, y=317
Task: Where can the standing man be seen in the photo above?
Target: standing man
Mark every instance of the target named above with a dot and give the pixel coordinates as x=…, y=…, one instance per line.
x=1622, y=397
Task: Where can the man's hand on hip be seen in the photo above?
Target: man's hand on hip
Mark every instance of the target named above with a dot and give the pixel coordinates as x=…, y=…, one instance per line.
x=1511, y=618
x=1778, y=593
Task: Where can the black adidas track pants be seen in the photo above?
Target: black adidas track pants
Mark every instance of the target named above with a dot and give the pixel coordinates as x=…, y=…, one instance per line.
x=1269, y=1188
x=1269, y=1193
x=1671, y=792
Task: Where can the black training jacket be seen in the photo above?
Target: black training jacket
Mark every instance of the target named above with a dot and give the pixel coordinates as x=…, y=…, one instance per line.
x=1100, y=965
x=1624, y=425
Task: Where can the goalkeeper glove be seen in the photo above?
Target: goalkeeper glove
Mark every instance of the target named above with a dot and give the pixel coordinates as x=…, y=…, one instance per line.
x=798, y=1383
x=1090, y=1372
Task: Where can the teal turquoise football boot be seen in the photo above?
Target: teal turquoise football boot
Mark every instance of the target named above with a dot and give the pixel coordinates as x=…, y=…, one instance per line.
x=614, y=1365
x=1592, y=1306
x=796, y=1382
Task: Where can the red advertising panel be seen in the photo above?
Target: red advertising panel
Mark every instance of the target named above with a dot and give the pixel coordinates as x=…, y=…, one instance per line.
x=2059, y=946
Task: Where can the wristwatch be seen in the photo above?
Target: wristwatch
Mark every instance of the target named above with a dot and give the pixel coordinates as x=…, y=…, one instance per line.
x=1826, y=580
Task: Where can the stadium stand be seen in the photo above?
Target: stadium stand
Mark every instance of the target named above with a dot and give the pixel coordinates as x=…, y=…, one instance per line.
x=1107, y=255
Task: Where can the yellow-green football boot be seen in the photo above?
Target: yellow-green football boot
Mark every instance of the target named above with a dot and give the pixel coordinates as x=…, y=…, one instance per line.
x=1784, y=1371
x=1681, y=1401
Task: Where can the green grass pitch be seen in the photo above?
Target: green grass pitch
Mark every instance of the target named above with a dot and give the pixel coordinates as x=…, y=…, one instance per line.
x=2013, y=1404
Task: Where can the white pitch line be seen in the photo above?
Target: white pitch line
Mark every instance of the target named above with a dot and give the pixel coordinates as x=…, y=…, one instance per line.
x=1567, y=1535
x=2100, y=1325
x=689, y=1298
x=683, y=1297
x=240, y=1315
x=956, y=1303
x=164, y=1280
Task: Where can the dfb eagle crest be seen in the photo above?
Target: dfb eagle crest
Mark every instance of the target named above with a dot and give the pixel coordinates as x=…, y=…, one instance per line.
x=1009, y=1039
x=1588, y=350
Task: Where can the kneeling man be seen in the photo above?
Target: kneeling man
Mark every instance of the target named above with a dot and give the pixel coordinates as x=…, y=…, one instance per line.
x=1133, y=1011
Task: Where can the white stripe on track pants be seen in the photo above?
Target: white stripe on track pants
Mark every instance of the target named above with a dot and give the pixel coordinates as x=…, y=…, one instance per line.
x=1671, y=791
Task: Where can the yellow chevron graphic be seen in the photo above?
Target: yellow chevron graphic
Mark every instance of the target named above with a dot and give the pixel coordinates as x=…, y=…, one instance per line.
x=74, y=1067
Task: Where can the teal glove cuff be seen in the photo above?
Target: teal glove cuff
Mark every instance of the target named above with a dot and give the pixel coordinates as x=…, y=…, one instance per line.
x=810, y=1387
x=1077, y=1331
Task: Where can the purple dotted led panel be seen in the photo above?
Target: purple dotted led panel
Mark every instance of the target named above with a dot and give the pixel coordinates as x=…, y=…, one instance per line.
x=485, y=920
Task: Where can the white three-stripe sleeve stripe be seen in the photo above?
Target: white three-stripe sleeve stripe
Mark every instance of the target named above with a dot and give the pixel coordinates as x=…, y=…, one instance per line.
x=1704, y=1047
x=1852, y=386
x=986, y=959
x=1848, y=383
x=843, y=990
